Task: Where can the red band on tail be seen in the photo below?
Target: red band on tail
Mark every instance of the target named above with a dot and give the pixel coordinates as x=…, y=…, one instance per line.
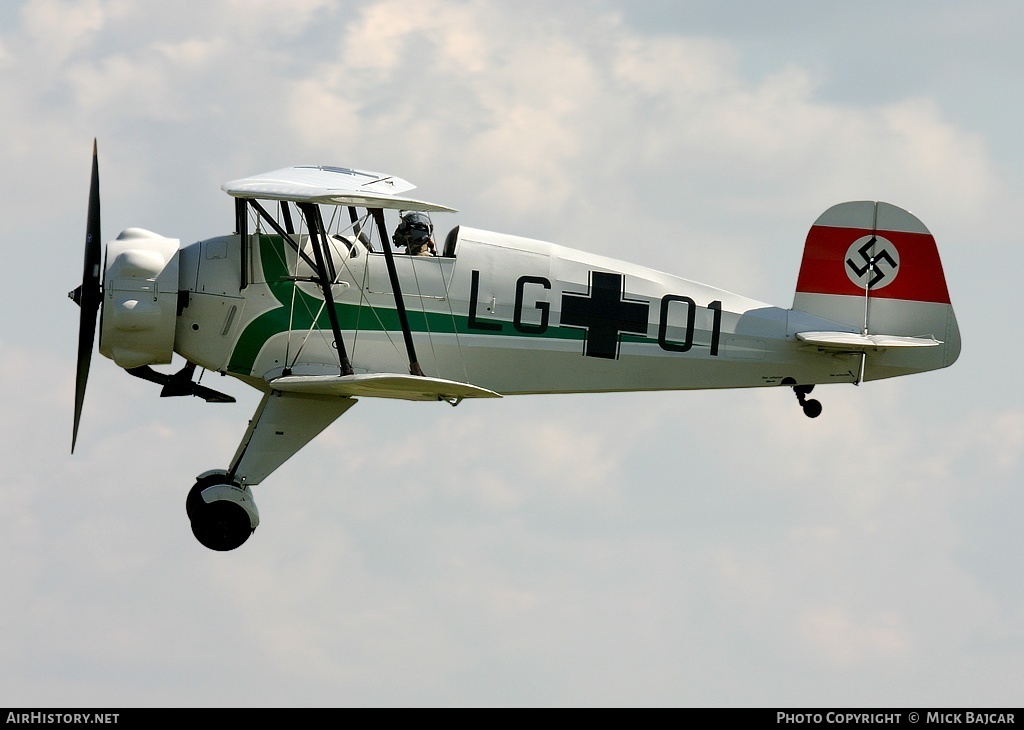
x=896, y=264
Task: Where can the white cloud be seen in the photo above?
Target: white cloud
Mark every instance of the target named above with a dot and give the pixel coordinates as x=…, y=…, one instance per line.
x=844, y=640
x=603, y=133
x=64, y=28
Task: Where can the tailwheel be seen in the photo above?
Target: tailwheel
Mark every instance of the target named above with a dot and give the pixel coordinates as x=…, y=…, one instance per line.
x=812, y=408
x=223, y=514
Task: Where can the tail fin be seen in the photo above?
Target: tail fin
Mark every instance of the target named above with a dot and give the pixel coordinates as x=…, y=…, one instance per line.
x=874, y=268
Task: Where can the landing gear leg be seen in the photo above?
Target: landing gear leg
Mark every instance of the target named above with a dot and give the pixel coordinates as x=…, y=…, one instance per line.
x=812, y=408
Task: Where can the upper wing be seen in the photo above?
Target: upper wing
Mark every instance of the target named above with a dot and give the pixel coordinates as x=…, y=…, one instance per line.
x=331, y=186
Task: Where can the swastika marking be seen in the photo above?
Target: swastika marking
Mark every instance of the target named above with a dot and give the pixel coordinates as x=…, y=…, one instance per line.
x=872, y=262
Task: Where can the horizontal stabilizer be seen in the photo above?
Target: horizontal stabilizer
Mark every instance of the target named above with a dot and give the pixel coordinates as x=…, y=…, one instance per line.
x=855, y=341
x=331, y=186
x=381, y=385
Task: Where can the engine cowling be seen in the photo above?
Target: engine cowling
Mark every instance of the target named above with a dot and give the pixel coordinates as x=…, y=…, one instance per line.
x=140, y=299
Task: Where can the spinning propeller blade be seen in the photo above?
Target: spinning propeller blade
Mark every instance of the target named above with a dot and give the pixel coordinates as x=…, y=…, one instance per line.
x=87, y=296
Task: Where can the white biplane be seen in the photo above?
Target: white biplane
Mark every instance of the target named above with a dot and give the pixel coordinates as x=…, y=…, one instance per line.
x=308, y=302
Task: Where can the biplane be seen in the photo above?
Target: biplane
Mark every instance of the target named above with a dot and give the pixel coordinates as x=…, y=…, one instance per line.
x=311, y=302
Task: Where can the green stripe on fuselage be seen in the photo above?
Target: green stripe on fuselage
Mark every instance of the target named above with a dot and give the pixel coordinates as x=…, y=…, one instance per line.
x=362, y=317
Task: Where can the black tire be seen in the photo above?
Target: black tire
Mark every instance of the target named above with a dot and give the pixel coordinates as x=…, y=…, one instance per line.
x=812, y=408
x=193, y=500
x=221, y=526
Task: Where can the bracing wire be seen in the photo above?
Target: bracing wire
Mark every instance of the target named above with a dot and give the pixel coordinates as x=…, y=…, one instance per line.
x=455, y=324
x=342, y=237
x=423, y=309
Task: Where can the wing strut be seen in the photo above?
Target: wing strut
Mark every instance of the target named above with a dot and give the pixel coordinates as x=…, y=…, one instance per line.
x=285, y=233
x=357, y=228
x=315, y=226
x=396, y=287
x=286, y=213
x=242, y=228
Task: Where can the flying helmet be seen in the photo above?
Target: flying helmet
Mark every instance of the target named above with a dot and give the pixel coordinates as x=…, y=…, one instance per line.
x=414, y=231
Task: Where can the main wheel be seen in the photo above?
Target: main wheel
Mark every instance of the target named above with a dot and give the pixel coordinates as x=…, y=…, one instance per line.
x=194, y=500
x=223, y=514
x=223, y=526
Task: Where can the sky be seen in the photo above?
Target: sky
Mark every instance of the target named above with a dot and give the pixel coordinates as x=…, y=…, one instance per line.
x=713, y=549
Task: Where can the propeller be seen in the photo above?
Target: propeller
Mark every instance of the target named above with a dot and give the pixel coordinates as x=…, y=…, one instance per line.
x=87, y=296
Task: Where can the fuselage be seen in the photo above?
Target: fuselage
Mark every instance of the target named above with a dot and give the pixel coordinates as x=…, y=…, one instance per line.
x=506, y=313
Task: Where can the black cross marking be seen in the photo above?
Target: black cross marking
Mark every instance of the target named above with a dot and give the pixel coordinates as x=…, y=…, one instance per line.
x=605, y=314
x=871, y=263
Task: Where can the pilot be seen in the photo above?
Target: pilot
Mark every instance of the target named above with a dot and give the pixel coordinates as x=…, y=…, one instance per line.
x=414, y=234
